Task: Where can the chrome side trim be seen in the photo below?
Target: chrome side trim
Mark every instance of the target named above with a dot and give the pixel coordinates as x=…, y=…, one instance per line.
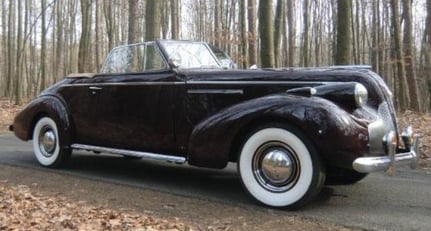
x=194, y=82
x=286, y=82
x=124, y=84
x=146, y=155
x=216, y=91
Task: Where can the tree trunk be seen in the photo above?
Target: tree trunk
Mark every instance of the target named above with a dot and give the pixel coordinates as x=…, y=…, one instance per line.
x=4, y=50
x=244, y=37
x=98, y=43
x=291, y=32
x=11, y=48
x=175, y=18
x=110, y=24
x=279, y=15
x=58, y=72
x=43, y=48
x=344, y=36
x=84, y=43
x=305, y=34
x=18, y=61
x=164, y=18
x=409, y=56
x=374, y=39
x=427, y=62
x=152, y=20
x=252, y=34
x=133, y=21
x=403, y=95
x=266, y=31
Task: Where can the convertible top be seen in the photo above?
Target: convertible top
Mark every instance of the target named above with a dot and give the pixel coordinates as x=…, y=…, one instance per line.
x=81, y=75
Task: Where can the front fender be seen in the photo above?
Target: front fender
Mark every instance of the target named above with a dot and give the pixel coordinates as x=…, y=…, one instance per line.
x=334, y=132
x=45, y=105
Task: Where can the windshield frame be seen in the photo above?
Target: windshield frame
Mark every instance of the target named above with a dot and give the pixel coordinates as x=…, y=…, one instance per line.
x=171, y=62
x=120, y=48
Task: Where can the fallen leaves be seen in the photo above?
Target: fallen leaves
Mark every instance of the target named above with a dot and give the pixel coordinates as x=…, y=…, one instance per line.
x=7, y=113
x=421, y=124
x=22, y=209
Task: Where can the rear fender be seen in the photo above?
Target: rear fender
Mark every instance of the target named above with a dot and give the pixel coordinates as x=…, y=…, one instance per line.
x=329, y=127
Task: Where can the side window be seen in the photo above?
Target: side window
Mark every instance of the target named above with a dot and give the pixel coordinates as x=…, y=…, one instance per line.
x=133, y=59
x=154, y=60
x=116, y=61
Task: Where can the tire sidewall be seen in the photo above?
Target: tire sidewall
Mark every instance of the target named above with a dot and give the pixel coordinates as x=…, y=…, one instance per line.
x=56, y=155
x=308, y=179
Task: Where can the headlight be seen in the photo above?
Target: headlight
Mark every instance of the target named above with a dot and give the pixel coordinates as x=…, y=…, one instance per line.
x=361, y=95
x=349, y=94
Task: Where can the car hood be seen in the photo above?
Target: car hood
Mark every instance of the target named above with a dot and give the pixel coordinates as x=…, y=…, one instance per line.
x=290, y=74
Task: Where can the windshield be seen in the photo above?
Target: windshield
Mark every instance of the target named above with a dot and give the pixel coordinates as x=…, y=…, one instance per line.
x=190, y=54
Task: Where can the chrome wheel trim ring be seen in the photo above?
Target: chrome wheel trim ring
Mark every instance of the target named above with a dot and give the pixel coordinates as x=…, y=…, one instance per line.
x=276, y=167
x=47, y=141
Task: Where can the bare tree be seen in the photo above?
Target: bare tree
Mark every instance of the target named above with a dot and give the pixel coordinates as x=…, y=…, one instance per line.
x=266, y=32
x=175, y=18
x=109, y=23
x=84, y=43
x=252, y=33
x=408, y=55
x=343, y=32
x=152, y=20
x=42, y=43
x=279, y=15
x=18, y=61
x=11, y=48
x=375, y=36
x=244, y=36
x=133, y=21
x=404, y=98
x=426, y=50
x=291, y=32
x=305, y=33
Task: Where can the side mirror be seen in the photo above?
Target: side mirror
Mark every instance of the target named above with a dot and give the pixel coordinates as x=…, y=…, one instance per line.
x=175, y=63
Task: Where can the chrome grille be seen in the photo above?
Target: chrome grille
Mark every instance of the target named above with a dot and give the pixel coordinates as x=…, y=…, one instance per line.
x=386, y=115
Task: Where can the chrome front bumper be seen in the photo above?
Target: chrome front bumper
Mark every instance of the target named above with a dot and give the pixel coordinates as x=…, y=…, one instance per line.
x=409, y=156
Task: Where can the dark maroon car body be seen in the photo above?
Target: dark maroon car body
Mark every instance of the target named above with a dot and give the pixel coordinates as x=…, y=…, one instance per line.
x=204, y=115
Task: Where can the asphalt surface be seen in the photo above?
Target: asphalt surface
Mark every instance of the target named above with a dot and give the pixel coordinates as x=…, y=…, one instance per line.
x=379, y=202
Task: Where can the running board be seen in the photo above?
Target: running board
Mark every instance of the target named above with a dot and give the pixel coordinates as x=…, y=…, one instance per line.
x=146, y=155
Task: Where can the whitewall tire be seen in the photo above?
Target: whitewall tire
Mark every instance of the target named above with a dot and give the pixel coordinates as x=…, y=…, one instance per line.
x=280, y=168
x=47, y=143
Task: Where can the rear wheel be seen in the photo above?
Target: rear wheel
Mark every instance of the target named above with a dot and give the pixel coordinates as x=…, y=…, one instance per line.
x=47, y=145
x=279, y=167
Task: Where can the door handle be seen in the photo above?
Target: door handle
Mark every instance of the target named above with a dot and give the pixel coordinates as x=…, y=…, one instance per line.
x=94, y=90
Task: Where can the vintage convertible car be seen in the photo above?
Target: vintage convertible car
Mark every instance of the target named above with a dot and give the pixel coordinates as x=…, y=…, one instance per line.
x=287, y=129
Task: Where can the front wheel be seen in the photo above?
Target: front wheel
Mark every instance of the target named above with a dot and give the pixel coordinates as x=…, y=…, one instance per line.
x=47, y=144
x=279, y=167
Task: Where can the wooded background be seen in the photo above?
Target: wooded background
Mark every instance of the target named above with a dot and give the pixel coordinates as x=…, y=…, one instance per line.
x=43, y=40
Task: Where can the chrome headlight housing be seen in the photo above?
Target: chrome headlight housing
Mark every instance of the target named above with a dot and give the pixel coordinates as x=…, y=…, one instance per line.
x=349, y=94
x=361, y=95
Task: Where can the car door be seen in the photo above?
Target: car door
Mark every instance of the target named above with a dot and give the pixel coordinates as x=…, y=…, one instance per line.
x=135, y=102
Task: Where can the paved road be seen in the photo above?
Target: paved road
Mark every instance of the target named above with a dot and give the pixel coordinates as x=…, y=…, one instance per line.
x=379, y=202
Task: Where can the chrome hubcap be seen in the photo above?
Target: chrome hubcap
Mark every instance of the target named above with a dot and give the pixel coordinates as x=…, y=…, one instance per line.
x=276, y=167
x=47, y=141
